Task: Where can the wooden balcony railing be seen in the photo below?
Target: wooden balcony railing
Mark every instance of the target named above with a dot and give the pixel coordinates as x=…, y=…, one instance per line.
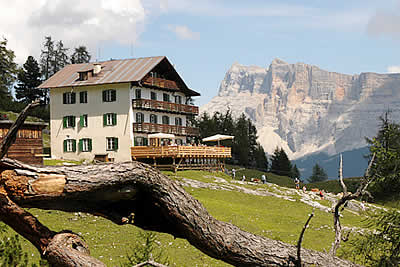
x=164, y=128
x=159, y=82
x=180, y=152
x=149, y=104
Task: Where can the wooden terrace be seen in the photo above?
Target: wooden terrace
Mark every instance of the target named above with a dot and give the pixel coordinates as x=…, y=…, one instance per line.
x=182, y=157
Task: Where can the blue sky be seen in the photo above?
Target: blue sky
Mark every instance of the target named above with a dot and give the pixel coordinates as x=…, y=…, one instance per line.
x=204, y=38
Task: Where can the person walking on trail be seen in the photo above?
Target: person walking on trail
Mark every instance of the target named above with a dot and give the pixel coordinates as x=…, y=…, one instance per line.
x=233, y=173
x=244, y=178
x=297, y=182
x=263, y=179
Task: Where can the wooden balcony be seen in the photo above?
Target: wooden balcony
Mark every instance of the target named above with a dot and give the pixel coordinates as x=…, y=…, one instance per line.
x=164, y=128
x=148, y=104
x=138, y=152
x=159, y=82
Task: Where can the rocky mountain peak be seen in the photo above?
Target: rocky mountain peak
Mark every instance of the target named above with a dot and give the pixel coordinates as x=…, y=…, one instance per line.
x=305, y=109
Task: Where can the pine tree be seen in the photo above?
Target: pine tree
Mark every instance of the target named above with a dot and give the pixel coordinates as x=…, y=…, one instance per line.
x=280, y=163
x=241, y=147
x=8, y=71
x=47, y=57
x=295, y=172
x=60, y=59
x=386, y=146
x=80, y=55
x=29, y=78
x=260, y=158
x=318, y=174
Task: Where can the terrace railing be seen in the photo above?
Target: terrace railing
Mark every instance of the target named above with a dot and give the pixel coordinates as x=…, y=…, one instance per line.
x=164, y=128
x=149, y=104
x=180, y=152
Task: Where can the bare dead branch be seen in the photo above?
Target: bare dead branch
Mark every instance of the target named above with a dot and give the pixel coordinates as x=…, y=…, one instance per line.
x=301, y=238
x=12, y=133
x=347, y=197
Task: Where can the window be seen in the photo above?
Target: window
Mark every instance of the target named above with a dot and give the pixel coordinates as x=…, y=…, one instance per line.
x=165, y=120
x=83, y=97
x=178, y=121
x=69, y=145
x=69, y=121
x=112, y=143
x=109, y=95
x=153, y=95
x=85, y=145
x=138, y=94
x=153, y=118
x=178, y=99
x=141, y=141
x=165, y=97
x=83, y=121
x=69, y=98
x=139, y=117
x=83, y=76
x=179, y=142
x=109, y=119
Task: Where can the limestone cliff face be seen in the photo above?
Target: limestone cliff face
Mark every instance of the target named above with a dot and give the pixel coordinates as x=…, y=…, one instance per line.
x=306, y=109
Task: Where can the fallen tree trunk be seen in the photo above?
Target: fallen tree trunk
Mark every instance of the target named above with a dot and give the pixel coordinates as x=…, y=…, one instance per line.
x=135, y=193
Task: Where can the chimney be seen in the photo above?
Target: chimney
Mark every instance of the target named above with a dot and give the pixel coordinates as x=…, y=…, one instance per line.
x=96, y=68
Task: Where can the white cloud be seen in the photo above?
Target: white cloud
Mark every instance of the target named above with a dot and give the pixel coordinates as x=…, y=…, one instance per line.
x=183, y=32
x=76, y=22
x=393, y=69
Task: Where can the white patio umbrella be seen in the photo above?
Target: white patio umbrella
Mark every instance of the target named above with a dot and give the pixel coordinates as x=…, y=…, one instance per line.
x=161, y=135
x=217, y=138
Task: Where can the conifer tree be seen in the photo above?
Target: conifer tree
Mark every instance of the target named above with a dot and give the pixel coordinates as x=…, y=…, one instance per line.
x=8, y=71
x=80, y=55
x=295, y=172
x=60, y=59
x=318, y=174
x=241, y=141
x=29, y=78
x=46, y=57
x=280, y=163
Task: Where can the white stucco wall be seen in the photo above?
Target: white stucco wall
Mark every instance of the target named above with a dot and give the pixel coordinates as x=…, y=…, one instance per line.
x=95, y=108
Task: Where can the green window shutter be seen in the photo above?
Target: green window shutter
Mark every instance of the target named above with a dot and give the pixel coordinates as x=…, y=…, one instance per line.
x=65, y=122
x=81, y=122
x=115, y=143
x=135, y=141
x=104, y=119
x=145, y=141
x=104, y=95
x=73, y=121
x=65, y=145
x=80, y=145
x=73, y=145
x=113, y=95
x=90, y=144
x=73, y=96
x=81, y=97
x=114, y=119
x=64, y=98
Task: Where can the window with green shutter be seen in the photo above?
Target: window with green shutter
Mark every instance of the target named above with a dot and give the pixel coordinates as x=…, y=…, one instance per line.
x=69, y=121
x=112, y=143
x=85, y=145
x=69, y=98
x=109, y=119
x=109, y=95
x=69, y=145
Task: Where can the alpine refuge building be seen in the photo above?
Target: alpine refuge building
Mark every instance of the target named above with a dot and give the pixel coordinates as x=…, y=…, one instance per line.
x=112, y=110
x=28, y=145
